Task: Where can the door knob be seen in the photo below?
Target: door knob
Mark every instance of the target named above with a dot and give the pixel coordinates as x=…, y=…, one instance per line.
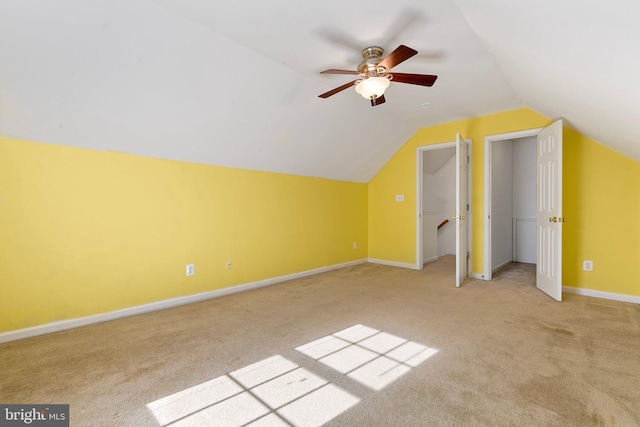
x=553, y=219
x=563, y=219
x=457, y=217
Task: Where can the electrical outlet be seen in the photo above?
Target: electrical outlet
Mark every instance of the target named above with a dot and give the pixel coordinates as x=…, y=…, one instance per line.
x=191, y=269
x=399, y=197
x=587, y=265
x=228, y=264
x=355, y=245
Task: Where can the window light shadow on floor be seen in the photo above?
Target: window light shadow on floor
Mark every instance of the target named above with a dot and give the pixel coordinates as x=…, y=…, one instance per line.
x=369, y=356
x=277, y=392
x=272, y=392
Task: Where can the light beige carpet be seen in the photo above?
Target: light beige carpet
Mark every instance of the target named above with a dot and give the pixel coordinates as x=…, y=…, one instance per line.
x=507, y=353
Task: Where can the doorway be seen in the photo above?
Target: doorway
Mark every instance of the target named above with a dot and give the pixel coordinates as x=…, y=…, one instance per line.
x=513, y=202
x=442, y=209
x=438, y=203
x=510, y=200
x=504, y=202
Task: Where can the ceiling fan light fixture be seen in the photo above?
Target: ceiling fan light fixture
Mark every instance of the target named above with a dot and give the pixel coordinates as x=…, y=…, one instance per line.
x=373, y=87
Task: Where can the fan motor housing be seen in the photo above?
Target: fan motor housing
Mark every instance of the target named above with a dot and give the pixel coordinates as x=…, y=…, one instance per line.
x=369, y=65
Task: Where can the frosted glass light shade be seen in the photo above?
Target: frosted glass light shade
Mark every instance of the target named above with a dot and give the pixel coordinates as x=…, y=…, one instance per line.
x=373, y=87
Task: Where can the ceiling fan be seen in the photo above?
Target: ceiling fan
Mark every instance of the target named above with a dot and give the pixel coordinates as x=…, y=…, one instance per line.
x=374, y=77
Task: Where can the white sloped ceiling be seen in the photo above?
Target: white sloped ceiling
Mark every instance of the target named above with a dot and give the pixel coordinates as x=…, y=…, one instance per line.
x=577, y=60
x=237, y=83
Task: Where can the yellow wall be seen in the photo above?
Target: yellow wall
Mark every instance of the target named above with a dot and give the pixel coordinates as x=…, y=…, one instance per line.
x=601, y=197
x=85, y=232
x=601, y=201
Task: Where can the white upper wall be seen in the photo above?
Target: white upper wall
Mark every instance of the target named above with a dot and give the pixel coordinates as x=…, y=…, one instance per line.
x=524, y=181
x=572, y=59
x=237, y=83
x=502, y=172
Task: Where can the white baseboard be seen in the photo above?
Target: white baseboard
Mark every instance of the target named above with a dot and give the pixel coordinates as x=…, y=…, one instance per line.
x=63, y=325
x=428, y=260
x=478, y=276
x=501, y=266
x=601, y=294
x=392, y=263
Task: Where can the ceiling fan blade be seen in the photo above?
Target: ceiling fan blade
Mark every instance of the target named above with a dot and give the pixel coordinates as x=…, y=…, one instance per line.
x=334, y=71
x=377, y=101
x=338, y=89
x=414, y=79
x=401, y=54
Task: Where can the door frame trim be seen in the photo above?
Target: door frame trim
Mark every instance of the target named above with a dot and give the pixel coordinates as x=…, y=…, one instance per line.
x=488, y=140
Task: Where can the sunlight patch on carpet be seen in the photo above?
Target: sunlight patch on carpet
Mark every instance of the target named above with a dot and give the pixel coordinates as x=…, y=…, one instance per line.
x=277, y=392
x=369, y=356
x=271, y=392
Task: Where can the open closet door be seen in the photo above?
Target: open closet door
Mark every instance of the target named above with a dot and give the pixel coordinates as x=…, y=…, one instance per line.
x=461, y=210
x=549, y=219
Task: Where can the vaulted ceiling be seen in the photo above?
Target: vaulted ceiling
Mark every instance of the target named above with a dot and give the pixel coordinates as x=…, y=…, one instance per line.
x=237, y=83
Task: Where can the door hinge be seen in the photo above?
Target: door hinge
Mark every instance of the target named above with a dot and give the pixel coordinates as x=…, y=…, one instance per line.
x=467, y=206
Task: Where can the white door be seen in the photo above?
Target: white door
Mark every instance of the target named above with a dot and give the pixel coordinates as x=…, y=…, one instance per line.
x=461, y=210
x=549, y=219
